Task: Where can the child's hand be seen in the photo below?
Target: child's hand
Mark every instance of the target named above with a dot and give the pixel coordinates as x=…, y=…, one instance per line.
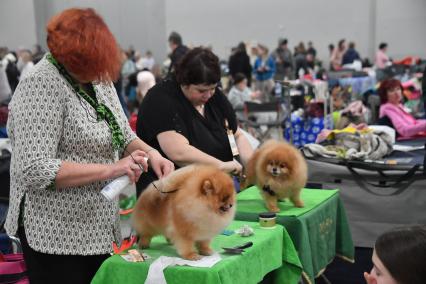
x=369, y=279
x=256, y=95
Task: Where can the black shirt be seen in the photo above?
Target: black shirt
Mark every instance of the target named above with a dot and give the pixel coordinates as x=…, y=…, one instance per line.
x=240, y=63
x=165, y=108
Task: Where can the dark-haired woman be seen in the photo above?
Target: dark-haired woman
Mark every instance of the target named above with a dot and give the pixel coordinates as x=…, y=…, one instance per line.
x=187, y=117
x=70, y=137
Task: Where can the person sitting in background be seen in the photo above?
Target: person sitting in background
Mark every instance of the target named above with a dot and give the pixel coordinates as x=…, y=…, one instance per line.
x=350, y=55
x=148, y=61
x=146, y=81
x=399, y=257
x=382, y=59
x=390, y=92
x=240, y=93
x=424, y=88
x=5, y=91
x=27, y=63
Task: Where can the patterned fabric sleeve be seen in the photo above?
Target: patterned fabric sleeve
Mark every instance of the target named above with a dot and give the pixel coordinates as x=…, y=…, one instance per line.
x=37, y=112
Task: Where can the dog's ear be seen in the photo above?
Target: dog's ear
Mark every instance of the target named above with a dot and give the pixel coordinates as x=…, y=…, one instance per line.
x=207, y=187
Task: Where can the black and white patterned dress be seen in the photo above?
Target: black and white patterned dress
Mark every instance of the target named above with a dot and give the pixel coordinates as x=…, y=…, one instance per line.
x=49, y=123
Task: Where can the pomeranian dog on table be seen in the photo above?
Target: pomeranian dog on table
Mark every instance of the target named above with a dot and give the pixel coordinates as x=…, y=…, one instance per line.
x=189, y=207
x=279, y=171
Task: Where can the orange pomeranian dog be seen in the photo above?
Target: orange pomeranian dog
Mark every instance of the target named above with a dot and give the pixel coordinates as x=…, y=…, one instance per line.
x=199, y=205
x=279, y=171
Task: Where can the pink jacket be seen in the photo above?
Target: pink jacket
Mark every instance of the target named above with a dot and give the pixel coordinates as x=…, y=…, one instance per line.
x=403, y=122
x=381, y=59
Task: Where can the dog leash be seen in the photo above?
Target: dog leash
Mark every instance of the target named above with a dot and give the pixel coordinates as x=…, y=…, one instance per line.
x=159, y=190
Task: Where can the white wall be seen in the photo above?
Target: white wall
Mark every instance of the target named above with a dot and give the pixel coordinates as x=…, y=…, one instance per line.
x=402, y=25
x=223, y=23
x=17, y=24
x=133, y=22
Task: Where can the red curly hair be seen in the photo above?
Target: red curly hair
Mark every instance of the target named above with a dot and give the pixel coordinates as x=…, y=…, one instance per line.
x=81, y=41
x=385, y=86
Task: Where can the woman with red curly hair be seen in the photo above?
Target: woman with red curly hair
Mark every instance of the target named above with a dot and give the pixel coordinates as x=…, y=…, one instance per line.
x=390, y=92
x=70, y=138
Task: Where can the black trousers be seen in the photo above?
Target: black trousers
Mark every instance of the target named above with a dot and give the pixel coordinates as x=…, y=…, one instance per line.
x=45, y=268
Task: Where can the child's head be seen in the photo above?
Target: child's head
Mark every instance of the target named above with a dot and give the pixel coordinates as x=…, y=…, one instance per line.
x=399, y=257
x=240, y=81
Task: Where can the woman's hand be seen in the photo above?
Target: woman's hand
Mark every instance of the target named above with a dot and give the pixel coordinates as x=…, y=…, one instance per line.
x=232, y=167
x=131, y=166
x=161, y=166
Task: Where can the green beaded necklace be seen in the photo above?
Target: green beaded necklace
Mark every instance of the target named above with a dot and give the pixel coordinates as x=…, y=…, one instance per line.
x=102, y=111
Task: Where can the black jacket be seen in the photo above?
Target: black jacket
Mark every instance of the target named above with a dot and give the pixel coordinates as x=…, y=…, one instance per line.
x=240, y=63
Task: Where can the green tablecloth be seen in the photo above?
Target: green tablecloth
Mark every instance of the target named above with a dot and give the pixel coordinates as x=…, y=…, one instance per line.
x=266, y=255
x=319, y=230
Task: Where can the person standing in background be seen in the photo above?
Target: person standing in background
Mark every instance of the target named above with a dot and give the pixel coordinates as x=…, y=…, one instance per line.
x=264, y=70
x=300, y=62
x=239, y=62
x=312, y=50
x=284, y=61
x=37, y=53
x=330, y=53
x=337, y=55
x=178, y=51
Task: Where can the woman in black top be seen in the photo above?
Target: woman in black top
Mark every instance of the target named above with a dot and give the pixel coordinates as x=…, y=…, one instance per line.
x=187, y=117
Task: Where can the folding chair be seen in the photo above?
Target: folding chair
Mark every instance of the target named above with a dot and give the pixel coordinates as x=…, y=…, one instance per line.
x=260, y=119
